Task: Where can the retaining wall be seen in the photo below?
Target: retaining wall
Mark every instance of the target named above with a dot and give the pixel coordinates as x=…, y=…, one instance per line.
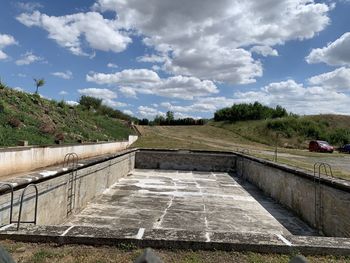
x=90, y=181
x=185, y=160
x=324, y=203
x=22, y=159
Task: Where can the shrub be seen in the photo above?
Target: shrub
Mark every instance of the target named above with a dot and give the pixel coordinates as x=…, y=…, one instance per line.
x=339, y=137
x=89, y=102
x=244, y=111
x=14, y=122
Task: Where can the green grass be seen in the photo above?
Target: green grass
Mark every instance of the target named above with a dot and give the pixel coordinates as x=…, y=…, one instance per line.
x=40, y=121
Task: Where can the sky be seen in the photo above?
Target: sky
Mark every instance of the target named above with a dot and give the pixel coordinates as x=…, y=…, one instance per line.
x=192, y=57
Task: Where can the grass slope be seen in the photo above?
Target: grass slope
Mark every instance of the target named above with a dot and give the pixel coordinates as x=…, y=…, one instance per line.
x=292, y=132
x=40, y=121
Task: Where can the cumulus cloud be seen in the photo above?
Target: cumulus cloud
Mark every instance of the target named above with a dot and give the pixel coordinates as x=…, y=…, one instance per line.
x=63, y=93
x=336, y=80
x=72, y=102
x=129, y=112
x=5, y=41
x=149, y=112
x=64, y=75
x=336, y=53
x=264, y=51
x=200, y=105
x=145, y=81
x=68, y=31
x=297, y=98
x=28, y=58
x=108, y=96
x=212, y=44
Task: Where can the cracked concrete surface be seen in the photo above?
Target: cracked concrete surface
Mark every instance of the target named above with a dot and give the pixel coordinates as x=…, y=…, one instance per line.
x=185, y=200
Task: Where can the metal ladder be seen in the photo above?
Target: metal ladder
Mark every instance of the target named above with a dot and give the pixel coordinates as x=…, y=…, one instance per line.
x=21, y=205
x=11, y=204
x=318, y=191
x=71, y=162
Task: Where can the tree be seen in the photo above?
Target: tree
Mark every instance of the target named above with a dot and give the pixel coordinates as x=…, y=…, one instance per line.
x=90, y=102
x=39, y=83
x=169, y=117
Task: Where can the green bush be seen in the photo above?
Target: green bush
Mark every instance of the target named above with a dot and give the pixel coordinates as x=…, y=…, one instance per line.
x=89, y=102
x=244, y=112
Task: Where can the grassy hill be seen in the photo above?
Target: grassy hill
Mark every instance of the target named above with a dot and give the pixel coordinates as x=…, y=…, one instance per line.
x=25, y=116
x=293, y=132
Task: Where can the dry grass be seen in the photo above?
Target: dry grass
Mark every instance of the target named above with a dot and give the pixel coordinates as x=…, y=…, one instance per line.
x=51, y=253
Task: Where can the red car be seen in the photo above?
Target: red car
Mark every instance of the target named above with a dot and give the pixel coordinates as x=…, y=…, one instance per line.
x=320, y=146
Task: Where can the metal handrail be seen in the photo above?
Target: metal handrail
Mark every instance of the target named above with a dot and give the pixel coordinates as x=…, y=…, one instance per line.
x=21, y=205
x=11, y=206
x=327, y=168
x=67, y=159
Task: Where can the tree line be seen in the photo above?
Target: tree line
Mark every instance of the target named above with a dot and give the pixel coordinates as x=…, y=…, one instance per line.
x=251, y=111
x=169, y=119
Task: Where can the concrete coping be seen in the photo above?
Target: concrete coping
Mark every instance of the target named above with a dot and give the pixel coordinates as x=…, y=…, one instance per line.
x=46, y=173
x=23, y=148
x=179, y=239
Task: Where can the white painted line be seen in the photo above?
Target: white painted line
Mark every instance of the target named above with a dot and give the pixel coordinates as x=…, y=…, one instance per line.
x=140, y=233
x=207, y=236
x=6, y=227
x=65, y=232
x=285, y=241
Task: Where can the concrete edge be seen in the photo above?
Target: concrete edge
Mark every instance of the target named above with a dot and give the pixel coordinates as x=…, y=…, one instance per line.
x=23, y=180
x=180, y=239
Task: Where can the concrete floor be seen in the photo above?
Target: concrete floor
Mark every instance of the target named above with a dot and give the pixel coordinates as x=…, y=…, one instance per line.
x=203, y=201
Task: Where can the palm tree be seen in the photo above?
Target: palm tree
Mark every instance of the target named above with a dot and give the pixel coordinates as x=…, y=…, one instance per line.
x=39, y=83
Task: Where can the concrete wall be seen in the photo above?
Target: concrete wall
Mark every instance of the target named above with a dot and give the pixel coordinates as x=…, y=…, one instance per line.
x=22, y=159
x=90, y=182
x=325, y=205
x=185, y=160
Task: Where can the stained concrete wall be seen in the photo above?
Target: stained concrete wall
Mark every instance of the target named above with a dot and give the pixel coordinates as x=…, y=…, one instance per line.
x=324, y=204
x=185, y=160
x=90, y=181
x=22, y=159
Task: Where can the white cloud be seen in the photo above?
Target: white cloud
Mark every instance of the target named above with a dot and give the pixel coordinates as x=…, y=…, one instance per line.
x=297, y=98
x=28, y=58
x=264, y=51
x=64, y=75
x=336, y=53
x=128, y=92
x=148, y=112
x=201, y=105
x=5, y=41
x=151, y=59
x=63, y=93
x=336, y=80
x=112, y=65
x=29, y=6
x=129, y=112
x=108, y=96
x=145, y=81
x=68, y=31
x=72, y=102
x=209, y=39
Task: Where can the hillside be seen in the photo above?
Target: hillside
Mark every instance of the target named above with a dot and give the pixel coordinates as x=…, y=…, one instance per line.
x=293, y=132
x=25, y=116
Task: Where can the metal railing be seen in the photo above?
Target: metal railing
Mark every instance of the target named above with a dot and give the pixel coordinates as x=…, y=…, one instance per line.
x=71, y=162
x=21, y=207
x=318, y=191
x=11, y=204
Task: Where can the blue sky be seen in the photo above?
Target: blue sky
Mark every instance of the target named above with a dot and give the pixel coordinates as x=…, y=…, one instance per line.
x=191, y=57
